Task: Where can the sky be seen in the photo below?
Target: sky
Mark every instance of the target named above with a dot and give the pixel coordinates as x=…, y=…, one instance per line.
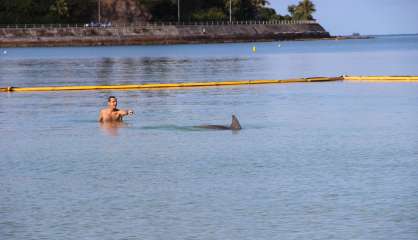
x=367, y=17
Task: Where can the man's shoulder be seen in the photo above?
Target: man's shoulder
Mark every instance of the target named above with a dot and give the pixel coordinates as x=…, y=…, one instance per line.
x=109, y=111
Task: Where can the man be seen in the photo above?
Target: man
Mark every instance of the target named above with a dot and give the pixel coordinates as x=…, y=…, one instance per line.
x=111, y=113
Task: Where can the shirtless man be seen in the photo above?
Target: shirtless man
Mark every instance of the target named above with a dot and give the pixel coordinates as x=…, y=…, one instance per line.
x=111, y=113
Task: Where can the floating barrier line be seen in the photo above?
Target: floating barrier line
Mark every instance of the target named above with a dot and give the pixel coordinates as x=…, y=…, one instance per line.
x=163, y=85
x=209, y=84
x=382, y=78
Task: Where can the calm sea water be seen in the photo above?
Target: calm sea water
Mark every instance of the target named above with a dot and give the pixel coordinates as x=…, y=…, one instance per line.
x=314, y=161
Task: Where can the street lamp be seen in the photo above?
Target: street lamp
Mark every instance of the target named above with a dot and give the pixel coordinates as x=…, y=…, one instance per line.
x=230, y=11
x=178, y=10
x=98, y=11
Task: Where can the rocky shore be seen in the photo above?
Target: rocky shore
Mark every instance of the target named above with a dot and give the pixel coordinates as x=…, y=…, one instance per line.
x=157, y=34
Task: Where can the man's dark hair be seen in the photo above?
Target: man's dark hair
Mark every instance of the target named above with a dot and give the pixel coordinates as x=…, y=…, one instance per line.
x=110, y=97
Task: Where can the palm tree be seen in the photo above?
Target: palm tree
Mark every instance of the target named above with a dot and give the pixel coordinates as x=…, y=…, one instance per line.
x=59, y=8
x=303, y=11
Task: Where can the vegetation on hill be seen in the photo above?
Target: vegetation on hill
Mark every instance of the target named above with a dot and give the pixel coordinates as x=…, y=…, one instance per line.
x=302, y=11
x=46, y=11
x=83, y=11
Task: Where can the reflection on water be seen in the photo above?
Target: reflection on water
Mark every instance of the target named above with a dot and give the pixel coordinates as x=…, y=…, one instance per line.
x=108, y=71
x=169, y=127
x=112, y=128
x=210, y=62
x=105, y=70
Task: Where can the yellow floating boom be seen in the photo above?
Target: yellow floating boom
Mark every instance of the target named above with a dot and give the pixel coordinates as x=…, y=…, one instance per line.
x=164, y=85
x=209, y=84
x=382, y=78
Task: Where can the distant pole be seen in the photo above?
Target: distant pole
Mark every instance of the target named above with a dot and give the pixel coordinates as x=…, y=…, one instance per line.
x=178, y=10
x=98, y=11
x=230, y=11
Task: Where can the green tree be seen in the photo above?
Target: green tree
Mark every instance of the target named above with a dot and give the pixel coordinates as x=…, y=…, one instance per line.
x=259, y=3
x=291, y=9
x=40, y=12
x=267, y=14
x=208, y=15
x=302, y=11
x=59, y=9
x=15, y=11
x=82, y=11
x=251, y=10
x=161, y=10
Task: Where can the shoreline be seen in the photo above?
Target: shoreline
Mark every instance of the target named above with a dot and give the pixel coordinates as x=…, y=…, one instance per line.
x=155, y=34
x=116, y=42
x=18, y=43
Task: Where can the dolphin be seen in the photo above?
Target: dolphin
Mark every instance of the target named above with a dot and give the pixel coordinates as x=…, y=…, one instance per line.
x=234, y=125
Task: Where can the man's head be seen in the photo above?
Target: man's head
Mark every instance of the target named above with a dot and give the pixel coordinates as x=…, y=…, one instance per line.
x=112, y=102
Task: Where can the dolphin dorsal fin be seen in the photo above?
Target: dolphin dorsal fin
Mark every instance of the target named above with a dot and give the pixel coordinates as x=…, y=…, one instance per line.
x=235, y=123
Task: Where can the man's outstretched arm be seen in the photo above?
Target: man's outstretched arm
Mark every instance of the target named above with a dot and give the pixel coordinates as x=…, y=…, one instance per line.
x=124, y=112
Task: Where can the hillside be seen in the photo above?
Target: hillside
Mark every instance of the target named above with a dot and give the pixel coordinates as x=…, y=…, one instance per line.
x=123, y=11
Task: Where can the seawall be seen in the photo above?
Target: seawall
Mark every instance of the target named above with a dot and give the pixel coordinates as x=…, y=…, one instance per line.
x=157, y=34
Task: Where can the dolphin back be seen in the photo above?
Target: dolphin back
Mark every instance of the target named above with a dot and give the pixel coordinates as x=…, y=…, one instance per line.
x=215, y=127
x=234, y=125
